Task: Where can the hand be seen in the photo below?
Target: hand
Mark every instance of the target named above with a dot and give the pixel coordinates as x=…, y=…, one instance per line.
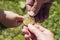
x=11, y=19
x=36, y=32
x=39, y=8
x=33, y=6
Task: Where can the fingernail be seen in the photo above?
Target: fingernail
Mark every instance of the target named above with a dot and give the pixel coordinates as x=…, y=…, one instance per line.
x=29, y=25
x=31, y=13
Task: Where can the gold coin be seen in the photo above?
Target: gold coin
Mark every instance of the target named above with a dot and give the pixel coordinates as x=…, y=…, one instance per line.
x=28, y=20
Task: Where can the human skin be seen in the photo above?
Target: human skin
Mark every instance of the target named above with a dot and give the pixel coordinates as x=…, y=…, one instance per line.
x=39, y=8
x=10, y=19
x=37, y=32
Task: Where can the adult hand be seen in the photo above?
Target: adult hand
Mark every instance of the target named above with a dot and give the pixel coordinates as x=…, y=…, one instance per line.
x=11, y=19
x=36, y=32
x=39, y=9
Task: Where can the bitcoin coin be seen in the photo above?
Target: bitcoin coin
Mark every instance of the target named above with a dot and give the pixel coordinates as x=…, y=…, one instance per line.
x=28, y=19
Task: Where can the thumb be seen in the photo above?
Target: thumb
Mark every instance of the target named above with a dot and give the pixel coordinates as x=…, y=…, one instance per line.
x=31, y=13
x=35, y=31
x=19, y=20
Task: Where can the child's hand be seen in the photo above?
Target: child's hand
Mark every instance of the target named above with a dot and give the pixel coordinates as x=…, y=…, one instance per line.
x=11, y=19
x=36, y=32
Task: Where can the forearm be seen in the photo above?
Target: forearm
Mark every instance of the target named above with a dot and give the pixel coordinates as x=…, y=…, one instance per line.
x=1, y=14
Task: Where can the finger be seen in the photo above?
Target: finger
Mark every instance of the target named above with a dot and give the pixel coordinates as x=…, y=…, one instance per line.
x=19, y=17
x=35, y=31
x=35, y=8
x=39, y=27
x=31, y=13
x=19, y=20
x=33, y=37
x=43, y=30
x=27, y=37
x=29, y=4
x=25, y=30
x=39, y=17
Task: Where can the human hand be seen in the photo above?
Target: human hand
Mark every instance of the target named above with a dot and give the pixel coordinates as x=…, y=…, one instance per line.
x=38, y=8
x=36, y=32
x=33, y=6
x=11, y=19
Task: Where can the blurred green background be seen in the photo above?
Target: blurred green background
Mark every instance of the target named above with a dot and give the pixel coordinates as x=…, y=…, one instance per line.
x=18, y=6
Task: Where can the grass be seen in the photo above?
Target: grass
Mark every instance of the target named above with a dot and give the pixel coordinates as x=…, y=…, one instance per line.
x=52, y=23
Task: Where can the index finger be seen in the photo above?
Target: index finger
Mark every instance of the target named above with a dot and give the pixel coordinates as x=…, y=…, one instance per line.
x=36, y=6
x=29, y=4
